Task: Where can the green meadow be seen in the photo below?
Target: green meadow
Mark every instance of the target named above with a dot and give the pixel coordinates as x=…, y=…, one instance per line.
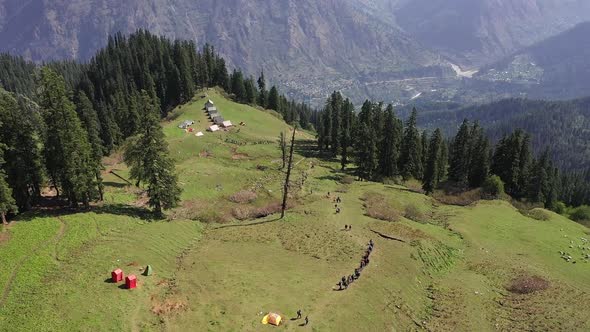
x=482, y=267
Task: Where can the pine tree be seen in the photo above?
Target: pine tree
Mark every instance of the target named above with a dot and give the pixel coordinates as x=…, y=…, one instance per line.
x=347, y=131
x=250, y=89
x=366, y=152
x=435, y=158
x=366, y=114
x=262, y=93
x=221, y=76
x=335, y=135
x=506, y=162
x=273, y=99
x=147, y=155
x=89, y=119
x=539, y=182
x=460, y=156
x=410, y=157
x=424, y=141
x=524, y=166
x=68, y=154
x=7, y=203
x=21, y=129
x=444, y=161
x=388, y=152
x=327, y=120
x=182, y=62
x=237, y=86
x=480, y=162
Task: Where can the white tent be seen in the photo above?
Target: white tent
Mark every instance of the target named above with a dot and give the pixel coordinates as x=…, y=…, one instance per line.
x=227, y=124
x=214, y=128
x=199, y=134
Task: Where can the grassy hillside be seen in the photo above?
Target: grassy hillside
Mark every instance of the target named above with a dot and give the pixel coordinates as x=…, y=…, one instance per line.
x=447, y=268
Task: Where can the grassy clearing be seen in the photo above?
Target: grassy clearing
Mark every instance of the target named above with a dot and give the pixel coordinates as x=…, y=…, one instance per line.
x=436, y=266
x=68, y=277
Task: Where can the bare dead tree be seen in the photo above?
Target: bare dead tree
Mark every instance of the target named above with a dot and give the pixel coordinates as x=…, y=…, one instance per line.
x=289, y=167
x=283, y=146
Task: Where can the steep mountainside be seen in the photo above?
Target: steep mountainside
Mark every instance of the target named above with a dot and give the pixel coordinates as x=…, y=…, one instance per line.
x=475, y=32
x=558, y=67
x=391, y=50
x=308, y=43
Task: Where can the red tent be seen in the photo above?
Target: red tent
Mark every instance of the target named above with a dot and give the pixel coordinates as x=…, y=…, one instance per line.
x=131, y=281
x=117, y=275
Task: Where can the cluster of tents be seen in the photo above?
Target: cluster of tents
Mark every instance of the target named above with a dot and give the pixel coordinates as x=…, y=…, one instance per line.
x=215, y=116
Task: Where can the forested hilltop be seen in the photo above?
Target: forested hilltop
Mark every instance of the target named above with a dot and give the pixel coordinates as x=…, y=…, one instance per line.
x=57, y=121
x=87, y=110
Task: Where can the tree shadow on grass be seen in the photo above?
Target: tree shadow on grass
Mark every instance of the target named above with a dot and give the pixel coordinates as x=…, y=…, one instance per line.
x=306, y=148
x=127, y=210
x=115, y=184
x=58, y=210
x=336, y=174
x=250, y=224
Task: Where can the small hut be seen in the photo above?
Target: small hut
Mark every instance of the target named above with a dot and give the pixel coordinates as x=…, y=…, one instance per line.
x=185, y=124
x=131, y=281
x=218, y=120
x=117, y=275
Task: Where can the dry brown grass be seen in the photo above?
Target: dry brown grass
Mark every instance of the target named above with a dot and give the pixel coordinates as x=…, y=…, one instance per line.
x=203, y=211
x=464, y=198
x=239, y=156
x=414, y=186
x=412, y=212
x=347, y=179
x=167, y=307
x=243, y=196
x=343, y=189
x=527, y=284
x=113, y=159
x=376, y=206
x=539, y=214
x=252, y=212
x=205, y=154
x=4, y=237
x=531, y=210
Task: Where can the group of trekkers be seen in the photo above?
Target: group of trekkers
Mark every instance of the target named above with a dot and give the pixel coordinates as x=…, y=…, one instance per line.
x=346, y=281
x=305, y=321
x=336, y=201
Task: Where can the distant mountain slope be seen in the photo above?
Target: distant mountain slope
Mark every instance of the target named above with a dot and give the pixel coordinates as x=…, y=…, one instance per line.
x=558, y=67
x=561, y=126
x=479, y=31
x=305, y=43
x=388, y=50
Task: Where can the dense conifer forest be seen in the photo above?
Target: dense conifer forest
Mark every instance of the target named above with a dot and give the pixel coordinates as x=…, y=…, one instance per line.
x=385, y=148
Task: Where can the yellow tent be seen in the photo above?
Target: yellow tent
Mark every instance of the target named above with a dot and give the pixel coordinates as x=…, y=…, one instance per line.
x=272, y=318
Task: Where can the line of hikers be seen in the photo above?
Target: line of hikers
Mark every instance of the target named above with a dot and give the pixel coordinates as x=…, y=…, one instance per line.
x=337, y=201
x=346, y=281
